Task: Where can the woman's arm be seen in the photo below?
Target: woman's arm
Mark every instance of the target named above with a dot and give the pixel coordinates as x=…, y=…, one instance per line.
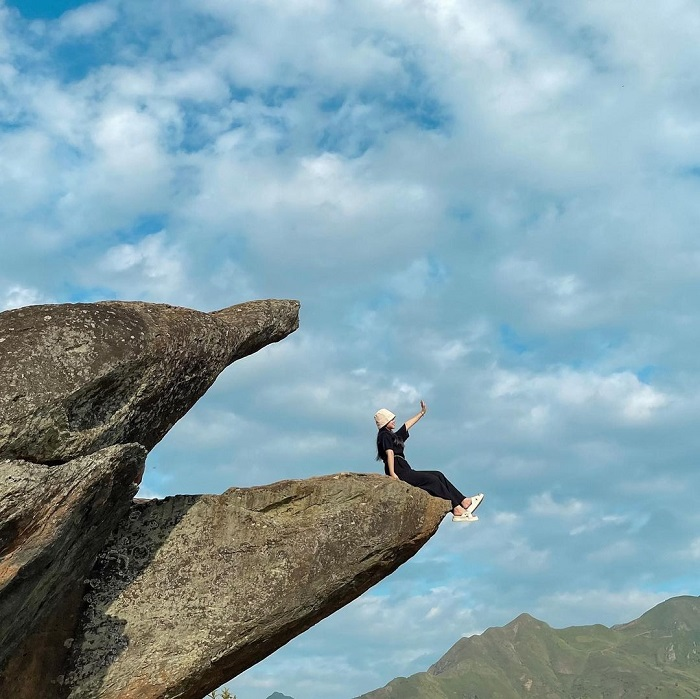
x=415, y=418
x=390, y=464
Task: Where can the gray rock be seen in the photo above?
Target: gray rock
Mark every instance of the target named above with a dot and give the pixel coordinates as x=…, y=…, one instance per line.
x=76, y=378
x=85, y=389
x=192, y=590
x=186, y=592
x=53, y=523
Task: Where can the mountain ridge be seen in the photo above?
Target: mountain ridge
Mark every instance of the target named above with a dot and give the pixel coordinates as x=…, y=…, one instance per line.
x=656, y=655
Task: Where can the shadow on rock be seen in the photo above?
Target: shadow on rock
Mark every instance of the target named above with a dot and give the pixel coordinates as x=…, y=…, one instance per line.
x=128, y=553
x=193, y=590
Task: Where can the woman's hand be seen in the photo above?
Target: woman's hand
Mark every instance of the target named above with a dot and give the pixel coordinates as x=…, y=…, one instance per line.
x=394, y=476
x=423, y=407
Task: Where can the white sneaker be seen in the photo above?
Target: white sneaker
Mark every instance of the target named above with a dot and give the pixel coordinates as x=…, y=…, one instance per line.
x=475, y=502
x=466, y=517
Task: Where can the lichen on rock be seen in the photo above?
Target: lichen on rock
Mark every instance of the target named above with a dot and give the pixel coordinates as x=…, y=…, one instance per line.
x=75, y=378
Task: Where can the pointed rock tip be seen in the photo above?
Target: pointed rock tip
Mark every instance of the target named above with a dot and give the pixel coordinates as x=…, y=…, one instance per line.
x=75, y=378
x=264, y=321
x=298, y=550
x=263, y=310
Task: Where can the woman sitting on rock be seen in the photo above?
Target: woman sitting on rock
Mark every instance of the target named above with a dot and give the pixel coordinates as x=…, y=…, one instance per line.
x=390, y=451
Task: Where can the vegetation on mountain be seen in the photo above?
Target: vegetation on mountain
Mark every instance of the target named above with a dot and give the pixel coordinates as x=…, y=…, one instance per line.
x=654, y=657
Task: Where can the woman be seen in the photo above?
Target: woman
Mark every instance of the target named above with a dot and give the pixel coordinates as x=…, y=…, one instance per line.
x=390, y=451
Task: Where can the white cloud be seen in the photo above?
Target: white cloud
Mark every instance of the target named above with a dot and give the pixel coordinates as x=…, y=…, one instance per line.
x=507, y=519
x=86, y=20
x=620, y=395
x=128, y=169
x=26, y=171
x=518, y=557
x=654, y=485
x=5, y=40
x=148, y=494
x=595, y=521
x=329, y=204
x=151, y=267
x=401, y=617
x=18, y=296
x=450, y=352
x=620, y=606
x=421, y=175
x=419, y=279
x=544, y=505
x=147, y=253
x=127, y=139
x=560, y=298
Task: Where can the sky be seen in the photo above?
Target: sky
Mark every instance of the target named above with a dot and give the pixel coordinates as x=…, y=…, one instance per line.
x=494, y=207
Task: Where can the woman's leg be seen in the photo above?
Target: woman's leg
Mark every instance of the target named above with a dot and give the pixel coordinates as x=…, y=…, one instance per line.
x=434, y=483
x=455, y=494
x=466, y=500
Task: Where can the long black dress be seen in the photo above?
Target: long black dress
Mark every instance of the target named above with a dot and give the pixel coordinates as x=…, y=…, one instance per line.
x=433, y=482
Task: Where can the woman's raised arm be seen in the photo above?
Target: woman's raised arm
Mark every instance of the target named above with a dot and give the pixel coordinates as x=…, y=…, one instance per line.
x=415, y=418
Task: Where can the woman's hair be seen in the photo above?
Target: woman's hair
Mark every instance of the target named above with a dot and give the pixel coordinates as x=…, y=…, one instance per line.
x=397, y=443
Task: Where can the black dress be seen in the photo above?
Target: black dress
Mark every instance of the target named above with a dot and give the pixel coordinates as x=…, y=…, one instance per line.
x=433, y=482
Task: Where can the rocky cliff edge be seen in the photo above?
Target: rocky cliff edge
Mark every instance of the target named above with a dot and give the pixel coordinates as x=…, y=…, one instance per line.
x=103, y=597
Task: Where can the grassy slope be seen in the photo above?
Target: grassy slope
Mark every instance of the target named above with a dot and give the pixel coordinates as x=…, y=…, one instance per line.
x=656, y=656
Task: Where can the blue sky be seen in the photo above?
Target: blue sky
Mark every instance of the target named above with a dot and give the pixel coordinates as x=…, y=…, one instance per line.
x=494, y=207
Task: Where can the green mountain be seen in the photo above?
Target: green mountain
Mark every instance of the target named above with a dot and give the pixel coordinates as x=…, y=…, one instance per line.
x=654, y=657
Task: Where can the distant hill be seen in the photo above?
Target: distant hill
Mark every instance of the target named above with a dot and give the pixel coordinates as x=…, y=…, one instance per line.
x=654, y=657
x=277, y=695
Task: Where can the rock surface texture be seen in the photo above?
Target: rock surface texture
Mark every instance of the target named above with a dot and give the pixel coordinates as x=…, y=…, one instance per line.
x=192, y=590
x=53, y=522
x=103, y=597
x=76, y=378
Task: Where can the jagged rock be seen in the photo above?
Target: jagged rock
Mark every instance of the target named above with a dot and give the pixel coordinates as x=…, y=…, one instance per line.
x=53, y=522
x=103, y=382
x=189, y=591
x=76, y=378
x=192, y=590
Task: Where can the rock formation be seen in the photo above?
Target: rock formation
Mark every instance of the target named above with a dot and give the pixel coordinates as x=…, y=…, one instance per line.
x=76, y=378
x=192, y=590
x=53, y=522
x=103, y=597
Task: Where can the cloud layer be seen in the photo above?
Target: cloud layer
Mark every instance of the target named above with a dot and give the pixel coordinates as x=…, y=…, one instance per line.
x=492, y=207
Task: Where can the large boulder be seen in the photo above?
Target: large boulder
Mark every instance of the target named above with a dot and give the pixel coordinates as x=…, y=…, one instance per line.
x=182, y=594
x=85, y=390
x=76, y=378
x=192, y=590
x=53, y=523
